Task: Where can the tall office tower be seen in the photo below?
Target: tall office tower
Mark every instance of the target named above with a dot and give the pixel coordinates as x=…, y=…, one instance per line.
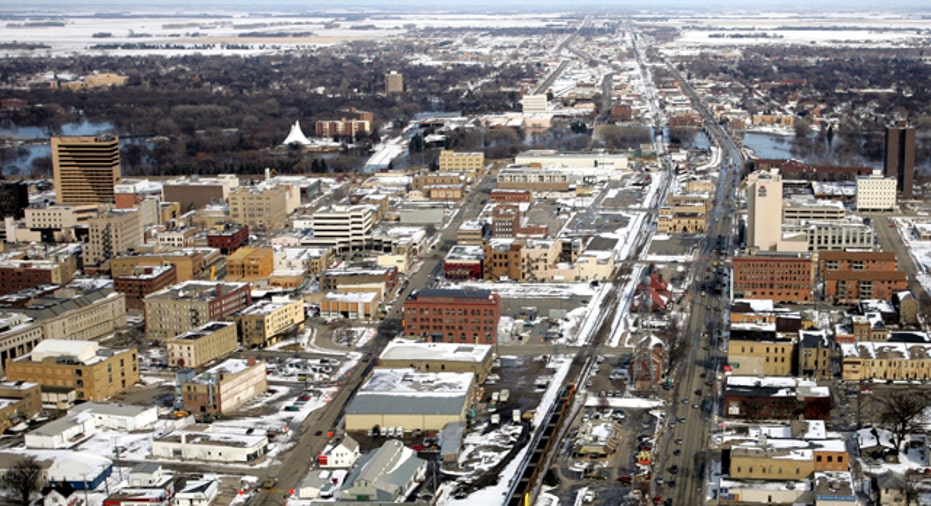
x=86, y=168
x=394, y=83
x=900, y=157
x=764, y=210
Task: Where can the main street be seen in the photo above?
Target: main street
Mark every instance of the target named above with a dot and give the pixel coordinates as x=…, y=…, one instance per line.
x=300, y=458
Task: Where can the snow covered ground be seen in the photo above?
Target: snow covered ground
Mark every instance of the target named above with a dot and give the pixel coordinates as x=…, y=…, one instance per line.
x=919, y=251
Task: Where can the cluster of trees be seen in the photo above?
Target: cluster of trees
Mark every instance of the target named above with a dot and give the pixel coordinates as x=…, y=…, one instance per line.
x=817, y=76
x=215, y=113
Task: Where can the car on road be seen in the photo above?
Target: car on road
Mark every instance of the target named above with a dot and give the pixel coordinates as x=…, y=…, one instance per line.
x=685, y=400
x=659, y=481
x=318, y=433
x=677, y=452
x=674, y=469
x=710, y=383
x=698, y=391
x=657, y=499
x=679, y=441
x=694, y=406
x=681, y=419
x=624, y=478
x=292, y=408
x=703, y=375
x=667, y=502
x=672, y=424
x=671, y=483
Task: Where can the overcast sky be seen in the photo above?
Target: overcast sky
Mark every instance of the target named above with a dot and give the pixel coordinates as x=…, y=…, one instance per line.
x=479, y=5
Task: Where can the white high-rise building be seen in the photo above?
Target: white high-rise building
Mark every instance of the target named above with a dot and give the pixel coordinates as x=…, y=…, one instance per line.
x=876, y=192
x=764, y=204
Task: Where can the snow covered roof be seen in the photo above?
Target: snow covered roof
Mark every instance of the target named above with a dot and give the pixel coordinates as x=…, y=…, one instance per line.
x=53, y=348
x=402, y=349
x=407, y=381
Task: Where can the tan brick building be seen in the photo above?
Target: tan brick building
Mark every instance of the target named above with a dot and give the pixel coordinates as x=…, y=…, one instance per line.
x=143, y=281
x=266, y=322
x=85, y=169
x=189, y=264
x=202, y=345
x=224, y=388
x=264, y=207
x=767, y=357
x=20, y=401
x=94, y=373
x=463, y=161
x=248, y=262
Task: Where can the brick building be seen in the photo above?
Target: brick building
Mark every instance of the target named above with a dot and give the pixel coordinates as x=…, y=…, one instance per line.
x=202, y=345
x=463, y=263
x=845, y=287
x=454, y=316
x=230, y=239
x=143, y=281
x=224, y=388
x=250, y=263
x=332, y=279
x=511, y=196
x=17, y=275
x=782, y=278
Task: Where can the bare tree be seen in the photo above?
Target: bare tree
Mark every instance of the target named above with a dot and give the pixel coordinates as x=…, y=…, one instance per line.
x=900, y=411
x=677, y=345
x=22, y=480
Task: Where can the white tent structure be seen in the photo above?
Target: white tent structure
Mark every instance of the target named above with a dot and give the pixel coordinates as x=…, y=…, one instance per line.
x=296, y=135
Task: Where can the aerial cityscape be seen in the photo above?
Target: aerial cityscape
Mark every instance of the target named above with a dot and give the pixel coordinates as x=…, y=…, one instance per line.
x=299, y=254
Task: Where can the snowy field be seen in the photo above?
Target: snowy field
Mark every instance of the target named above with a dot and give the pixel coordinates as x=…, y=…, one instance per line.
x=212, y=35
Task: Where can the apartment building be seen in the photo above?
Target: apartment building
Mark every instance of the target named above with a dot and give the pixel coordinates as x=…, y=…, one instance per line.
x=224, y=388
x=782, y=277
x=461, y=161
x=342, y=128
x=85, y=169
x=876, y=193
x=453, y=316
x=266, y=322
x=260, y=207
x=394, y=83
x=343, y=227
x=181, y=308
x=202, y=345
x=142, y=281
x=249, y=263
x=93, y=372
x=111, y=234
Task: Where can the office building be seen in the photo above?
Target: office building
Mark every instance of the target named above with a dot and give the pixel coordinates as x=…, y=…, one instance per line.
x=876, y=192
x=394, y=83
x=195, y=192
x=779, y=277
x=453, y=315
x=900, y=157
x=451, y=161
x=202, y=345
x=343, y=227
x=184, y=307
x=93, y=372
x=764, y=204
x=85, y=169
x=262, y=207
x=75, y=312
